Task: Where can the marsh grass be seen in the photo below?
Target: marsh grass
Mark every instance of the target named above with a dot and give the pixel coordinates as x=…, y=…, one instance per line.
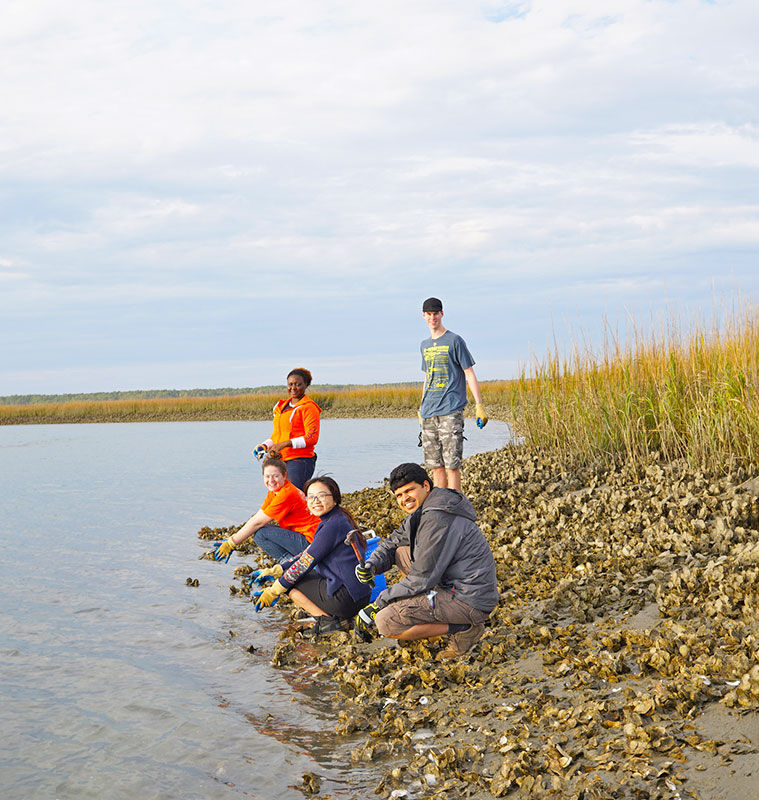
x=674, y=393
x=388, y=400
x=365, y=401
x=677, y=392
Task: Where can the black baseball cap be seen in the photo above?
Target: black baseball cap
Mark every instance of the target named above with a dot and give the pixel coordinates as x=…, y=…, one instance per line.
x=432, y=304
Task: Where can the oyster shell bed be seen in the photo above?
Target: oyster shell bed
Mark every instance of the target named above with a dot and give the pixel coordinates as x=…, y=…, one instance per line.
x=629, y=607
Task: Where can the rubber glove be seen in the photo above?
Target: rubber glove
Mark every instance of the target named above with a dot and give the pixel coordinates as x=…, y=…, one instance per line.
x=264, y=576
x=482, y=417
x=260, y=451
x=268, y=596
x=365, y=621
x=365, y=573
x=419, y=417
x=224, y=549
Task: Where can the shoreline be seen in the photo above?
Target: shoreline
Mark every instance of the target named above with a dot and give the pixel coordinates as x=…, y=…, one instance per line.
x=374, y=411
x=621, y=658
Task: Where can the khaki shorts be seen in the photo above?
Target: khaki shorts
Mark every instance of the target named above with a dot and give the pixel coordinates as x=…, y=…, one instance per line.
x=443, y=440
x=443, y=608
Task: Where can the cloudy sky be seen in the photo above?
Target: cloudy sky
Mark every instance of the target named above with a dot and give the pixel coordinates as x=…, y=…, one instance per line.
x=200, y=194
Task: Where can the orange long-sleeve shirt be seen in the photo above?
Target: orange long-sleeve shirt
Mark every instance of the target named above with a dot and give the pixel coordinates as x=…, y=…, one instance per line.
x=299, y=423
x=288, y=507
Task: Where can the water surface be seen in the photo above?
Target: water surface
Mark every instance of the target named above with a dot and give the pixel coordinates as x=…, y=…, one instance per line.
x=119, y=680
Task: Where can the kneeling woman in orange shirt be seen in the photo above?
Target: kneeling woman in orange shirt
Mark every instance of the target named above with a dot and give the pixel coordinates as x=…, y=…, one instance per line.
x=283, y=503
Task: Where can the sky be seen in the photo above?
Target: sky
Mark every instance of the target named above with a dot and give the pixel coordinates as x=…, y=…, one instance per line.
x=199, y=194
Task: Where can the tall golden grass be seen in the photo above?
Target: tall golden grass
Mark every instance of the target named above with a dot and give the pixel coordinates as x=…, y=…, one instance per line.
x=389, y=400
x=675, y=393
x=375, y=401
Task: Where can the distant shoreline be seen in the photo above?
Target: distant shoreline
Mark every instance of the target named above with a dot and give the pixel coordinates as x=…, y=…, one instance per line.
x=348, y=412
x=386, y=400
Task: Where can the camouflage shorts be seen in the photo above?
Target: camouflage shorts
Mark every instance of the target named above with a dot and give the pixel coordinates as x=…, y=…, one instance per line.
x=443, y=440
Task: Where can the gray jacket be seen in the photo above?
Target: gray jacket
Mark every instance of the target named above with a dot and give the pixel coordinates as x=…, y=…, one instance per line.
x=449, y=551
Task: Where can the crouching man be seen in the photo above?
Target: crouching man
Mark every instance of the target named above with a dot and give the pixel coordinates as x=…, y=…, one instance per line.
x=449, y=581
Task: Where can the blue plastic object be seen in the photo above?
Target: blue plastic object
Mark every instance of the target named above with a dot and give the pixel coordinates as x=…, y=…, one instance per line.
x=380, y=584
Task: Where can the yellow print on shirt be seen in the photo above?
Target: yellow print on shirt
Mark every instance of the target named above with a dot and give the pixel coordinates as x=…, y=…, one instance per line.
x=437, y=361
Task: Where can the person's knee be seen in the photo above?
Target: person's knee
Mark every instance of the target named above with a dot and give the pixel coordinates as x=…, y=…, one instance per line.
x=260, y=536
x=385, y=623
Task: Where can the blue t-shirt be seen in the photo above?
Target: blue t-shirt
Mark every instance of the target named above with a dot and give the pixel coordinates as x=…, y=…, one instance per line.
x=443, y=361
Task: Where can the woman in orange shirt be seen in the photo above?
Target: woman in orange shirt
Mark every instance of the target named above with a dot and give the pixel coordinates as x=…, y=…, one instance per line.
x=283, y=503
x=296, y=429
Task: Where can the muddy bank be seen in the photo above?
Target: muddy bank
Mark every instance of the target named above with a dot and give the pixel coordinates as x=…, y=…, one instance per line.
x=621, y=662
x=56, y=414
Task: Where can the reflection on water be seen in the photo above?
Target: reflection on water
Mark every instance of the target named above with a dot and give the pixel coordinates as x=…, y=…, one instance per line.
x=121, y=681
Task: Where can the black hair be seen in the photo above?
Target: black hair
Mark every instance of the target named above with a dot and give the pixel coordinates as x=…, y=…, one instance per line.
x=303, y=372
x=334, y=490
x=408, y=473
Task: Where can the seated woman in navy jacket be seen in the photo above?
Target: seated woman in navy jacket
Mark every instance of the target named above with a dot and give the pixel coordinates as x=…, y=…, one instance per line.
x=322, y=579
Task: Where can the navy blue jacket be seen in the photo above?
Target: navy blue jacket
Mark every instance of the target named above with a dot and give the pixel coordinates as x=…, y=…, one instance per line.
x=329, y=557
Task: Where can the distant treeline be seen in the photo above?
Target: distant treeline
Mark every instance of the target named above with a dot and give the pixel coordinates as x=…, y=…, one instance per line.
x=152, y=394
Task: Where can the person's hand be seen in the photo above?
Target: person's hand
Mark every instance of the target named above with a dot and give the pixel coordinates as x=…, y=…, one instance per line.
x=224, y=549
x=260, y=451
x=268, y=597
x=264, y=576
x=364, y=622
x=365, y=573
x=482, y=417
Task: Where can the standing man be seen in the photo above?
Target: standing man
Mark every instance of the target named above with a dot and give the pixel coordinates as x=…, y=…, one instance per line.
x=449, y=368
x=449, y=580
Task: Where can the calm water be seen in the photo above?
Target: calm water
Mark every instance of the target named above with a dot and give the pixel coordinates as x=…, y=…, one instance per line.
x=120, y=681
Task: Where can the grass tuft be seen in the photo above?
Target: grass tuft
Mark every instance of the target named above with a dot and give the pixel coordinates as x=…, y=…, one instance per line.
x=674, y=394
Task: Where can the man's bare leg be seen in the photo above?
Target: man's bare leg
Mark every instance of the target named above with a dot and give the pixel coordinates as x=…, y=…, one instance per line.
x=424, y=631
x=440, y=477
x=454, y=479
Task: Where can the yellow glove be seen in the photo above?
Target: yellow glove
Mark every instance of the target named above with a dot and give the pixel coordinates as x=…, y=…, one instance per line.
x=419, y=417
x=264, y=576
x=275, y=572
x=224, y=550
x=482, y=417
x=268, y=596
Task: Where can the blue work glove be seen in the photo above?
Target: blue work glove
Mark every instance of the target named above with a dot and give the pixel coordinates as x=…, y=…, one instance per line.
x=263, y=576
x=482, y=417
x=260, y=451
x=365, y=574
x=268, y=596
x=365, y=621
x=223, y=549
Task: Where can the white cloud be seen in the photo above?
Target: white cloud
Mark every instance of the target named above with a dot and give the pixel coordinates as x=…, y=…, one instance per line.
x=297, y=161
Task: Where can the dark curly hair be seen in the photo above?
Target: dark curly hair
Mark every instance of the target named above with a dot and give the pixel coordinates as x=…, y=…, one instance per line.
x=408, y=473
